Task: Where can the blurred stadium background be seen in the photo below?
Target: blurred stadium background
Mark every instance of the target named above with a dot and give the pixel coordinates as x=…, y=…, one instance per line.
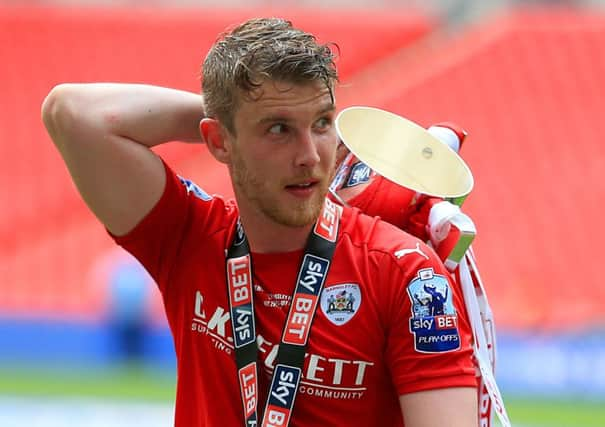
x=525, y=78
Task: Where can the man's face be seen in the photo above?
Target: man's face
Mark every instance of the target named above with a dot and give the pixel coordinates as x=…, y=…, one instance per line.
x=282, y=159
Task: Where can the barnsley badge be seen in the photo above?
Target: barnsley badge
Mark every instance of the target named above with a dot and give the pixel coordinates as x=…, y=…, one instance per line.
x=340, y=302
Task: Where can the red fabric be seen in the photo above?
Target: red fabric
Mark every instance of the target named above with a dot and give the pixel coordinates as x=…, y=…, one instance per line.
x=353, y=373
x=397, y=205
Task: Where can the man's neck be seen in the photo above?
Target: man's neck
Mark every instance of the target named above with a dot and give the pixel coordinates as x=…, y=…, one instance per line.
x=267, y=236
x=278, y=238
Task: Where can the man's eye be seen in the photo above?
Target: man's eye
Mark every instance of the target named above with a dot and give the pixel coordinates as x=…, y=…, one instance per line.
x=323, y=123
x=277, y=129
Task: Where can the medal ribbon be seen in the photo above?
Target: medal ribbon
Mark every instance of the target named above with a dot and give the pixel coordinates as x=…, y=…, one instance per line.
x=291, y=352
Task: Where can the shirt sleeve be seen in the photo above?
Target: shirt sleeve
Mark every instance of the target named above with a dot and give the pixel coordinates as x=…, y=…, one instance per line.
x=428, y=332
x=395, y=204
x=156, y=240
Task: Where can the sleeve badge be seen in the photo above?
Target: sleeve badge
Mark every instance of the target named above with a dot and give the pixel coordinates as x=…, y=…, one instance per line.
x=434, y=321
x=193, y=188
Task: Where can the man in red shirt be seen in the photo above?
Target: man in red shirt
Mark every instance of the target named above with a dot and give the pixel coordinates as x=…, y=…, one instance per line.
x=285, y=308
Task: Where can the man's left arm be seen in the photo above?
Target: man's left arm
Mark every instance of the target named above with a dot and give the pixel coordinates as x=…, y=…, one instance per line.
x=452, y=407
x=429, y=341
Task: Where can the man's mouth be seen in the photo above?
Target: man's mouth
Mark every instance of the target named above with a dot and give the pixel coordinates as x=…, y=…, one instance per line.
x=302, y=188
x=304, y=184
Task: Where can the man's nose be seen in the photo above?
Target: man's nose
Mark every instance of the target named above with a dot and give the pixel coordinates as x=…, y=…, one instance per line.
x=307, y=153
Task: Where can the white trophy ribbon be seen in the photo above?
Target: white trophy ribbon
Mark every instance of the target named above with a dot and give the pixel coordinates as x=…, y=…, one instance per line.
x=484, y=345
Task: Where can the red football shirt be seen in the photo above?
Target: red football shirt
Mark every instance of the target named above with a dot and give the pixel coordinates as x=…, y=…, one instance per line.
x=390, y=320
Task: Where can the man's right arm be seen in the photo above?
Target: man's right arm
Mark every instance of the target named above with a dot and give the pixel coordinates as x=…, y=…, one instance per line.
x=104, y=133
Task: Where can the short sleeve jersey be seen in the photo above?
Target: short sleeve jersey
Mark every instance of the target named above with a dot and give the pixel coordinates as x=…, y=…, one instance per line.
x=395, y=204
x=390, y=320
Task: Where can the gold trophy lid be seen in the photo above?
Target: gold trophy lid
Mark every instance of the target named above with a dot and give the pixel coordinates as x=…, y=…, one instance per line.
x=404, y=152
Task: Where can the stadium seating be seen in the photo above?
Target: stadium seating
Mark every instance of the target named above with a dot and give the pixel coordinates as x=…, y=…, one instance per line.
x=527, y=85
x=529, y=88
x=52, y=251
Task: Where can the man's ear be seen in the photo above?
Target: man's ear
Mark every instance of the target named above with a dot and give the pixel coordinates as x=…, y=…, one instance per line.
x=215, y=137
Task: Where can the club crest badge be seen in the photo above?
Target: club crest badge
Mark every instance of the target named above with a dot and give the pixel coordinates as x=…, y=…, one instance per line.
x=434, y=321
x=340, y=302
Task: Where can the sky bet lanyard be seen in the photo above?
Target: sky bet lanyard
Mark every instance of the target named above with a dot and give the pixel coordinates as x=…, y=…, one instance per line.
x=291, y=353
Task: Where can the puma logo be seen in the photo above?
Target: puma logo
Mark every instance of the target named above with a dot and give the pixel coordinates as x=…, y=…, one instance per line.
x=403, y=252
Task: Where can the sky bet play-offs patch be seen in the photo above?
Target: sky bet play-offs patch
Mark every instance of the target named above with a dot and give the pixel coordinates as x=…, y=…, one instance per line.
x=434, y=322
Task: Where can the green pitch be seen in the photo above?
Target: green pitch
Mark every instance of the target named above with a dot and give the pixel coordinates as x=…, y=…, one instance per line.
x=134, y=383
x=536, y=412
x=129, y=382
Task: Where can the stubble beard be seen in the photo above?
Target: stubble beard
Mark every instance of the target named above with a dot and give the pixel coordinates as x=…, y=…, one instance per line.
x=256, y=191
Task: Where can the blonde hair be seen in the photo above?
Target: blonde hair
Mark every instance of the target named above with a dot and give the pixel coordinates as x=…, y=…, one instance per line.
x=258, y=50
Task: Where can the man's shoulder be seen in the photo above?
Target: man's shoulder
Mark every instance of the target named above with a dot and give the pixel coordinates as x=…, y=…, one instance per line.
x=384, y=249
x=201, y=208
x=373, y=233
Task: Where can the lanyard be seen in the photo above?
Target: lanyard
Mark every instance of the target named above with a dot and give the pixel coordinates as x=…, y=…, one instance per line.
x=291, y=353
